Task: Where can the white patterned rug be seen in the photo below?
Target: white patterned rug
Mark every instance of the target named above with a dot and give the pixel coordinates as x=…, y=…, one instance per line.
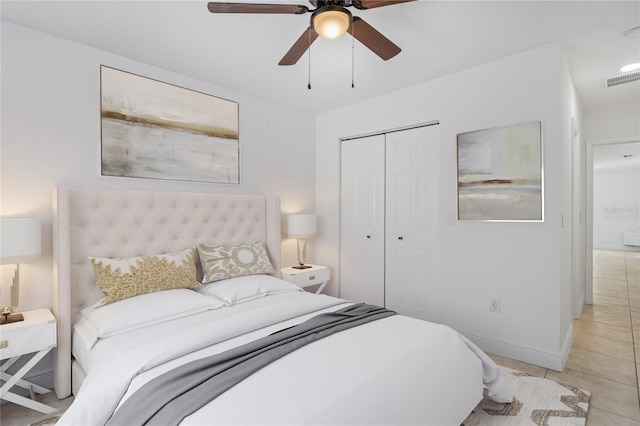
x=537, y=401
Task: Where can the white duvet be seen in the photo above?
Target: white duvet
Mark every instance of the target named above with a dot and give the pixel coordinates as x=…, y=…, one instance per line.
x=392, y=371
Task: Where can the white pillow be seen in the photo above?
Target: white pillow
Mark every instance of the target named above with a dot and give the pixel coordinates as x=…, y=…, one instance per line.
x=242, y=289
x=102, y=321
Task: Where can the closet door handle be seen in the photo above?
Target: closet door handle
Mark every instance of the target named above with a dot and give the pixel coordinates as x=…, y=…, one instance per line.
x=399, y=238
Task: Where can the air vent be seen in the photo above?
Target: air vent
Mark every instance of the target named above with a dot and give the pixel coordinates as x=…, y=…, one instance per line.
x=622, y=79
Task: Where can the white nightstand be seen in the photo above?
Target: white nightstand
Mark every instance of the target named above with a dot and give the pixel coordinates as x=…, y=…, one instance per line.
x=37, y=333
x=316, y=275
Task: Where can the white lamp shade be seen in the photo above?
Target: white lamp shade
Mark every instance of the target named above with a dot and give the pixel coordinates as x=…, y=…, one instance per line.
x=301, y=225
x=20, y=240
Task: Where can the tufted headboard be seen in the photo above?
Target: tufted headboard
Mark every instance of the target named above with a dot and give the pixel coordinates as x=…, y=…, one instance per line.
x=118, y=223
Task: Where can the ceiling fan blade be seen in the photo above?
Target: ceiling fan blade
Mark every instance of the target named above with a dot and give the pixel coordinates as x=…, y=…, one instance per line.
x=299, y=47
x=215, y=7
x=370, y=4
x=374, y=40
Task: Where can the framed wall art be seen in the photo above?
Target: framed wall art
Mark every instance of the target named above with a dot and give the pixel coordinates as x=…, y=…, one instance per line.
x=156, y=130
x=500, y=174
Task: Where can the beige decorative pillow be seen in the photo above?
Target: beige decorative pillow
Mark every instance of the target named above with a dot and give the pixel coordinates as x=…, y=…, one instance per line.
x=121, y=278
x=221, y=262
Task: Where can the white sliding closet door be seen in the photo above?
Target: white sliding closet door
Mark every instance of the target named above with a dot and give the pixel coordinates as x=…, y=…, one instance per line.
x=362, y=220
x=411, y=219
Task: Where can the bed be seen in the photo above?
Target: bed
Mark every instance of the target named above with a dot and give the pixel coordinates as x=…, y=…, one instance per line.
x=318, y=359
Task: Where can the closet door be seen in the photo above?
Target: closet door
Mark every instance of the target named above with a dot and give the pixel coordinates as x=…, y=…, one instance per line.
x=362, y=220
x=411, y=219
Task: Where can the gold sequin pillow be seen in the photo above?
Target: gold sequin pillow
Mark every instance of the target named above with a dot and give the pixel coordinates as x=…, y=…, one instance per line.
x=221, y=262
x=121, y=278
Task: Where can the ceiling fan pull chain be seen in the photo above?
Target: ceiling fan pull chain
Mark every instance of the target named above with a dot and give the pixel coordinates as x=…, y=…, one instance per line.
x=309, y=84
x=353, y=50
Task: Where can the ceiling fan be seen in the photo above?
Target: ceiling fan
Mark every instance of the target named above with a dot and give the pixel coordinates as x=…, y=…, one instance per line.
x=330, y=19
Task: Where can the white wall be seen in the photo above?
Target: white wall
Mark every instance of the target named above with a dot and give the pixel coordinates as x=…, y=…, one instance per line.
x=51, y=136
x=612, y=121
x=573, y=231
x=616, y=207
x=521, y=263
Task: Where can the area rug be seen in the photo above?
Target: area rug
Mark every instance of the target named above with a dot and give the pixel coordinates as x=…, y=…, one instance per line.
x=537, y=401
x=46, y=422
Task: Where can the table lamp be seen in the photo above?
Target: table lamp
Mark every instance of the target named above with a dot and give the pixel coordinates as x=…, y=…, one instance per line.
x=20, y=241
x=301, y=227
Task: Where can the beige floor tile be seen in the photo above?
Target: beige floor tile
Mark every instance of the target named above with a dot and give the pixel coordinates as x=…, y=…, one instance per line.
x=621, y=292
x=609, y=279
x=599, y=417
x=612, y=254
x=604, y=346
x=613, y=270
x=622, y=285
x=607, y=395
x=604, y=330
x=608, y=300
x=601, y=315
x=603, y=366
x=611, y=261
x=610, y=267
x=534, y=370
x=617, y=310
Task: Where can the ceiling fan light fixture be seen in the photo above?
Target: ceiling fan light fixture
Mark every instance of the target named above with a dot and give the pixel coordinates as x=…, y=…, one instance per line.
x=331, y=21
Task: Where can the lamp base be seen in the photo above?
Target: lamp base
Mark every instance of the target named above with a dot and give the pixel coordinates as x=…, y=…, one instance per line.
x=9, y=318
x=301, y=267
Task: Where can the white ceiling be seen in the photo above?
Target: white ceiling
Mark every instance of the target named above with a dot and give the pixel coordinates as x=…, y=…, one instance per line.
x=241, y=51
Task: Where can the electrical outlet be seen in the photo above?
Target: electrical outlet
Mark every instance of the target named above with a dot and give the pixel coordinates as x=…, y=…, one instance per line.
x=495, y=305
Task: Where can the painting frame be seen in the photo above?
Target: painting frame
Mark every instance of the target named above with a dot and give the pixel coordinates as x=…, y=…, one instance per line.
x=157, y=130
x=500, y=173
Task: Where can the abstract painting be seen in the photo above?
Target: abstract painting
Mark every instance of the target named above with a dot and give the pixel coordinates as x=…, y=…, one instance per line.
x=500, y=174
x=156, y=130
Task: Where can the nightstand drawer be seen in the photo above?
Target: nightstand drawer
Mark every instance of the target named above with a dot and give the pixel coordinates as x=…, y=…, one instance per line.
x=306, y=278
x=35, y=333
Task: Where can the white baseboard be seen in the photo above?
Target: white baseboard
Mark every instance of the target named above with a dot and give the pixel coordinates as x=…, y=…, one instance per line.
x=566, y=345
x=554, y=361
x=580, y=305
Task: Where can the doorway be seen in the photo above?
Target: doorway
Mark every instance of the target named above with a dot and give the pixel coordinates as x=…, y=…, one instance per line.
x=619, y=161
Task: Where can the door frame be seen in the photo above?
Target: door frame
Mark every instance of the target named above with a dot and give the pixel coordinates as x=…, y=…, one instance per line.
x=590, y=144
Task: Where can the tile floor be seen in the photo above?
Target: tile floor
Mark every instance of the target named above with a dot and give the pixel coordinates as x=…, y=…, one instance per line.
x=603, y=357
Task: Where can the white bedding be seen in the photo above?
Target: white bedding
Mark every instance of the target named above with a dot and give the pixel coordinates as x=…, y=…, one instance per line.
x=396, y=370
